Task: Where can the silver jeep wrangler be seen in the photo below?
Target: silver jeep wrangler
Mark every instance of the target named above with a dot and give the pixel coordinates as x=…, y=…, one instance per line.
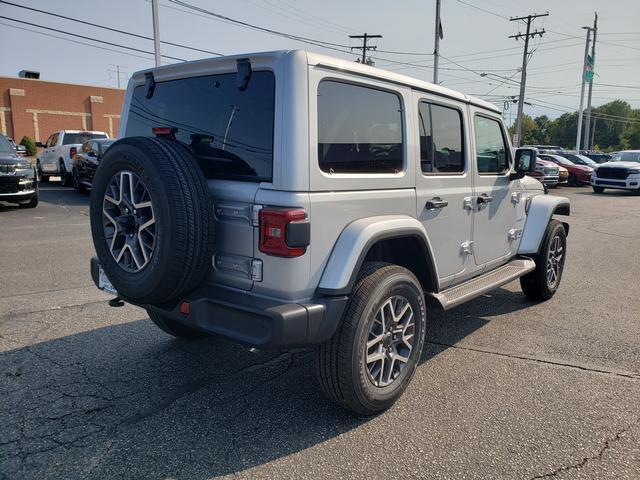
x=289, y=198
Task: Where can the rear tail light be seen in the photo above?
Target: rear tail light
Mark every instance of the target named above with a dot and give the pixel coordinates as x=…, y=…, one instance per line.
x=73, y=151
x=284, y=232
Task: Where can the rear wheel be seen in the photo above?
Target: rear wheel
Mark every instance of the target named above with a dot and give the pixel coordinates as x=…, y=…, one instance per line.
x=368, y=363
x=176, y=329
x=598, y=189
x=543, y=282
x=41, y=176
x=65, y=177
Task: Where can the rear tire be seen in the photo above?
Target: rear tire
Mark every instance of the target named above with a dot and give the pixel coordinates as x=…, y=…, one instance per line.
x=178, y=250
x=598, y=189
x=176, y=329
x=543, y=282
x=65, y=177
x=41, y=176
x=360, y=367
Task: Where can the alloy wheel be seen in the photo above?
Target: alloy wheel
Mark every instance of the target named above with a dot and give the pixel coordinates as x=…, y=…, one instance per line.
x=554, y=262
x=390, y=341
x=128, y=221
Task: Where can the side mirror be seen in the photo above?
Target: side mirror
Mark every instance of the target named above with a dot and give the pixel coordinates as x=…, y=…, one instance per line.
x=525, y=162
x=92, y=153
x=21, y=148
x=40, y=145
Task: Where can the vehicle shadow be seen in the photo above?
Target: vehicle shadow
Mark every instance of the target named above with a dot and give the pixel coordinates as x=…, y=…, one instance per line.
x=56, y=194
x=128, y=401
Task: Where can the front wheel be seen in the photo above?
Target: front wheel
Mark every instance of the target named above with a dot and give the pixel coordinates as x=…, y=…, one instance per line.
x=368, y=363
x=77, y=186
x=598, y=189
x=543, y=282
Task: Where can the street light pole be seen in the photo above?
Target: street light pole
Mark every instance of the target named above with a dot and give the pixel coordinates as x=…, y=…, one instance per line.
x=584, y=71
x=586, y=142
x=156, y=32
x=436, y=48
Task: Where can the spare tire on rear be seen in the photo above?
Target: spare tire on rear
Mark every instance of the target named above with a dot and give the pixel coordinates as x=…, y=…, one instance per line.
x=151, y=219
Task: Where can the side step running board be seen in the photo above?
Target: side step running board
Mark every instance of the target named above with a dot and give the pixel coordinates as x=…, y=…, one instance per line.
x=454, y=296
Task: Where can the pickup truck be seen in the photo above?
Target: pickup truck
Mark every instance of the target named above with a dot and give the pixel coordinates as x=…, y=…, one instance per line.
x=57, y=157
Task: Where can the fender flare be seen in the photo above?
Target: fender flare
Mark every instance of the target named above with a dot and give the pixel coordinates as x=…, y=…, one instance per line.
x=355, y=241
x=540, y=210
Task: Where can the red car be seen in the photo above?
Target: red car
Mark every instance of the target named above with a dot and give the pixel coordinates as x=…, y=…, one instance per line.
x=578, y=174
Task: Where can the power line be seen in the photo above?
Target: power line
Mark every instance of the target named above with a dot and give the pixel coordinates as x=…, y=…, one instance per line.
x=91, y=39
x=188, y=47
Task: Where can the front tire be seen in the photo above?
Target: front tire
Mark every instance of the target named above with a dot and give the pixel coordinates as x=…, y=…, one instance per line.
x=176, y=329
x=543, y=282
x=598, y=189
x=77, y=186
x=370, y=360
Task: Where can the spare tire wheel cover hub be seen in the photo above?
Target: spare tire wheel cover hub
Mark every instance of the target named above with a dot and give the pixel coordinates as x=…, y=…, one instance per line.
x=128, y=221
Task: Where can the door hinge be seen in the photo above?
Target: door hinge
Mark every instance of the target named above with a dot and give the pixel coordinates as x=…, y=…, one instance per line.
x=515, y=233
x=256, y=270
x=255, y=215
x=467, y=247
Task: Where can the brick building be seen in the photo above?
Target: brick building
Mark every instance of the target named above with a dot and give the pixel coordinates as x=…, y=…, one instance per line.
x=36, y=108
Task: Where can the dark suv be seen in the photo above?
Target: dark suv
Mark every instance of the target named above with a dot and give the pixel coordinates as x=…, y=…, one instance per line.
x=18, y=182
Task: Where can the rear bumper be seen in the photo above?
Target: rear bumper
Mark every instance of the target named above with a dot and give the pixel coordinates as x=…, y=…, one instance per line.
x=253, y=320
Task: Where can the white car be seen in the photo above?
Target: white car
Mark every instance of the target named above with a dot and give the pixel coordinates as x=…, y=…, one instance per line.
x=57, y=157
x=622, y=172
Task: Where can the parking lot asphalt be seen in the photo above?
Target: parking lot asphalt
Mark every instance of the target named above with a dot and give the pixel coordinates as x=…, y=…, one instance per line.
x=507, y=389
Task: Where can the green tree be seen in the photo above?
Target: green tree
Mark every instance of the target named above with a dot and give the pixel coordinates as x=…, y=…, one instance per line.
x=32, y=151
x=530, y=134
x=630, y=138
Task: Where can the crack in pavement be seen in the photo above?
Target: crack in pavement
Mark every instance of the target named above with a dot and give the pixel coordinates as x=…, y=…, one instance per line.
x=597, y=456
x=627, y=375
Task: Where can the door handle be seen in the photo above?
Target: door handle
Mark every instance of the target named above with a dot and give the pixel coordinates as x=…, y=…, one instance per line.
x=435, y=203
x=484, y=199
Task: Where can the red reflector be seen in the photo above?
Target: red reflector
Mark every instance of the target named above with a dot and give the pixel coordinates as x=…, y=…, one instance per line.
x=184, y=308
x=273, y=227
x=73, y=151
x=161, y=130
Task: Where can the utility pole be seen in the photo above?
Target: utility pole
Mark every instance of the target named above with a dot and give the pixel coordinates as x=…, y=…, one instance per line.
x=584, y=72
x=593, y=133
x=117, y=69
x=436, y=45
x=156, y=32
x=364, y=46
x=593, y=64
x=523, y=74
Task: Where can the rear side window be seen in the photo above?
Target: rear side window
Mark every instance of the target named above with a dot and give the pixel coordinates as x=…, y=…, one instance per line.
x=229, y=131
x=359, y=129
x=492, y=154
x=73, y=138
x=441, y=145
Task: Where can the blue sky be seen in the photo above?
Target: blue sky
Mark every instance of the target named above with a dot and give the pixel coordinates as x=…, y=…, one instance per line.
x=478, y=58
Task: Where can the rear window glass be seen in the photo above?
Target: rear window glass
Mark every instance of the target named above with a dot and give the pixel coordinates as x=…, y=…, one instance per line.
x=73, y=138
x=229, y=131
x=359, y=129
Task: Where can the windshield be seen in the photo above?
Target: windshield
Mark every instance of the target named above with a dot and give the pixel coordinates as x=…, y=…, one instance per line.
x=5, y=146
x=73, y=138
x=626, y=157
x=229, y=130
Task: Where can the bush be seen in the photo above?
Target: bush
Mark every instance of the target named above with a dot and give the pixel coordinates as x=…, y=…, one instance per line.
x=29, y=145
